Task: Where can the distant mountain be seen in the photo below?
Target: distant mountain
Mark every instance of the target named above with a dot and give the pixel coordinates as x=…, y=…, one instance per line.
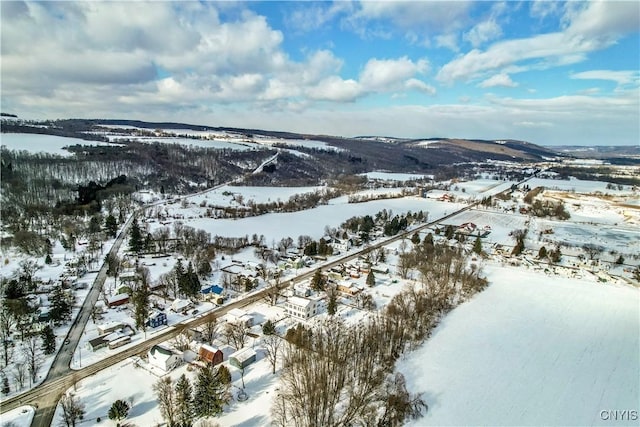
x=369, y=152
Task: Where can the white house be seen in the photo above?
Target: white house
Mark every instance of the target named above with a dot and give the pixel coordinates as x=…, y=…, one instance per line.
x=240, y=316
x=180, y=305
x=163, y=358
x=300, y=307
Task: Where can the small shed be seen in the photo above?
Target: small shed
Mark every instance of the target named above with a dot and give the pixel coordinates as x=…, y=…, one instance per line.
x=210, y=354
x=117, y=300
x=242, y=358
x=163, y=358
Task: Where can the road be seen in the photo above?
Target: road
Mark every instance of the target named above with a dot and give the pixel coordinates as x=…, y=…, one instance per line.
x=60, y=378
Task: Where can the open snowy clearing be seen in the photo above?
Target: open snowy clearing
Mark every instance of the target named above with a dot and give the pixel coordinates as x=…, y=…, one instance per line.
x=200, y=143
x=227, y=195
x=576, y=185
x=531, y=350
x=312, y=222
x=391, y=176
x=36, y=143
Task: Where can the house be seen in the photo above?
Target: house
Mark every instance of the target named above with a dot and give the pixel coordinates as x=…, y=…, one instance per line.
x=240, y=316
x=242, y=358
x=163, y=358
x=348, y=288
x=117, y=300
x=128, y=276
x=156, y=319
x=300, y=307
x=180, y=305
x=210, y=354
x=107, y=328
x=339, y=246
x=212, y=290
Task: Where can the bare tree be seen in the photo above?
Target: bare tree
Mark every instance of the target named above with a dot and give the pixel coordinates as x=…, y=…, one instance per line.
x=165, y=394
x=72, y=409
x=272, y=345
x=6, y=325
x=272, y=290
x=19, y=373
x=235, y=334
x=211, y=329
x=182, y=340
x=31, y=353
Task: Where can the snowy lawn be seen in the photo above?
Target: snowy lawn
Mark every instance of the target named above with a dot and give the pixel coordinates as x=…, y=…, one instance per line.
x=531, y=350
x=19, y=417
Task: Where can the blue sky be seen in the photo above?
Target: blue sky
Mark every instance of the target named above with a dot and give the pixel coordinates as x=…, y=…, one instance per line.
x=543, y=71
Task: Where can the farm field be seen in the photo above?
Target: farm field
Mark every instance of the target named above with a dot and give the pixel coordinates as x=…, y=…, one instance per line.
x=35, y=143
x=531, y=350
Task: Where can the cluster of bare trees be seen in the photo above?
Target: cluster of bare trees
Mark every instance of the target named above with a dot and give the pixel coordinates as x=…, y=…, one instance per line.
x=336, y=375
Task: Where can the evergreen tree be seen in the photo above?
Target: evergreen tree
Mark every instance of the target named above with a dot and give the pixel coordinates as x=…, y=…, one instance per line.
x=118, y=411
x=94, y=224
x=449, y=232
x=415, y=239
x=210, y=393
x=184, y=402
x=332, y=305
x=61, y=304
x=48, y=260
x=5, y=385
x=142, y=306
x=317, y=281
x=111, y=226
x=620, y=260
x=371, y=279
x=268, y=328
x=48, y=340
x=135, y=237
x=477, y=246
x=188, y=282
x=542, y=253
x=382, y=257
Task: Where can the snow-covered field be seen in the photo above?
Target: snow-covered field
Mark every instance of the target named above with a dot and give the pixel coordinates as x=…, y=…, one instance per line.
x=35, y=143
x=576, y=185
x=200, y=143
x=227, y=195
x=313, y=221
x=531, y=350
x=389, y=176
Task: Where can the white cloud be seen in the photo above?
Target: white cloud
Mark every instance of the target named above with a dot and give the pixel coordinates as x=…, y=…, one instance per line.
x=498, y=80
x=591, y=26
x=434, y=16
x=483, y=32
x=419, y=85
x=387, y=74
x=336, y=89
x=450, y=41
x=541, y=9
x=620, y=77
